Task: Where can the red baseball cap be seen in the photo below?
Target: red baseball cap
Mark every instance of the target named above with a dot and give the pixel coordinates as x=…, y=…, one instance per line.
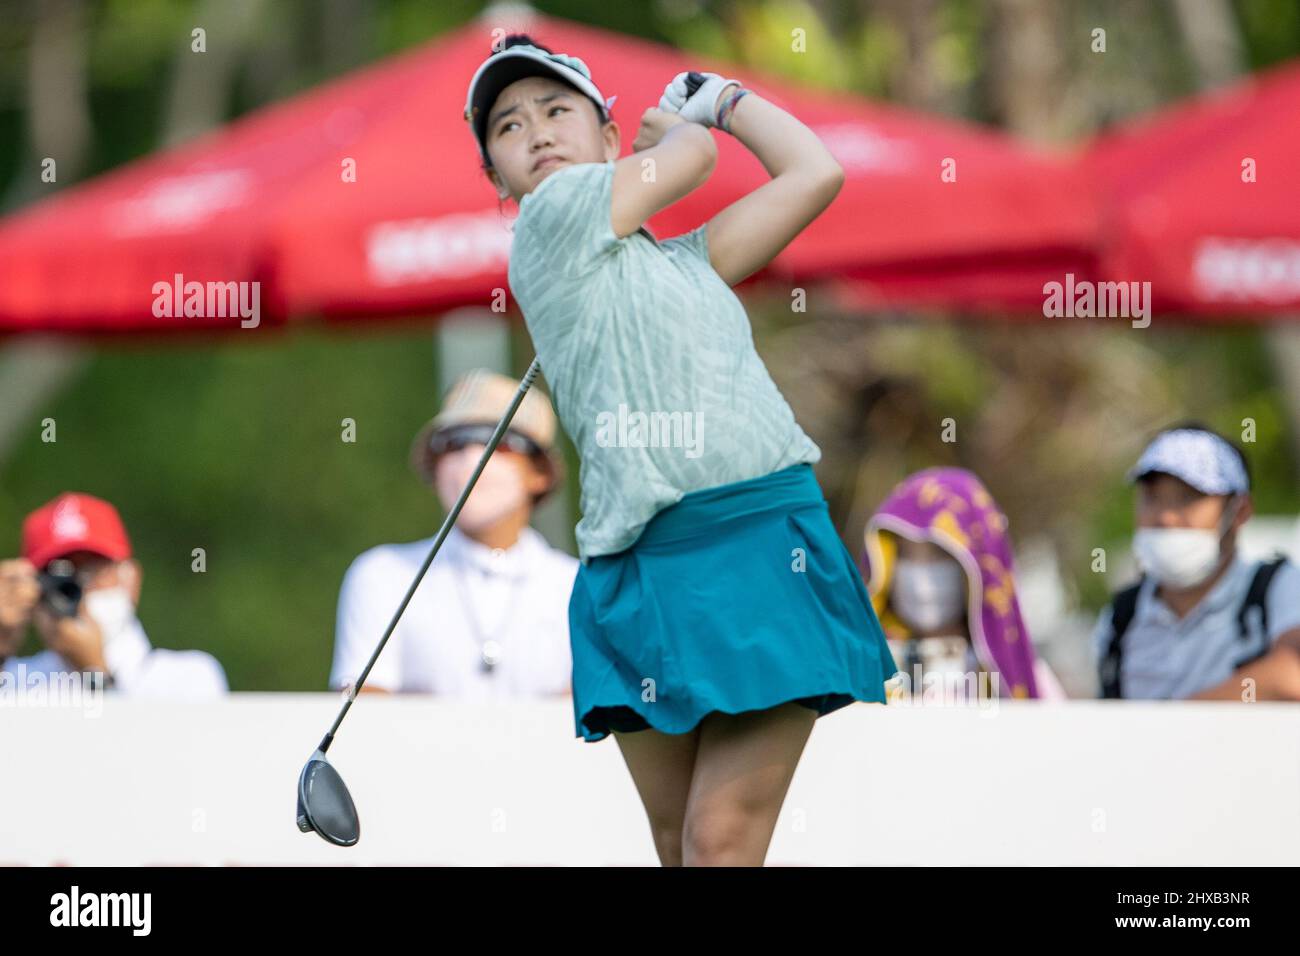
x=74, y=522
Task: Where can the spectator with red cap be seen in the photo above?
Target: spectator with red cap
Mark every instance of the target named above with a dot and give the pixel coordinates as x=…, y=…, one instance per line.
x=78, y=585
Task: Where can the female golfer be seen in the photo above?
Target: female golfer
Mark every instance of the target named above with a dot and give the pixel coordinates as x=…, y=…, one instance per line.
x=716, y=613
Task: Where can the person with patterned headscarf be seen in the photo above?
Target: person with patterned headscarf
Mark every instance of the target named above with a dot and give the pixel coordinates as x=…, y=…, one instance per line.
x=942, y=579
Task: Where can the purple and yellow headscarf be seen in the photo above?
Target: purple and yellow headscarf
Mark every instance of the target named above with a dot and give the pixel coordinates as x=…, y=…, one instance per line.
x=951, y=508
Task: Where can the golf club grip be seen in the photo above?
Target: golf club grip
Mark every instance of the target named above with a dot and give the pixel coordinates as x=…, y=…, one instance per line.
x=524, y=384
x=694, y=81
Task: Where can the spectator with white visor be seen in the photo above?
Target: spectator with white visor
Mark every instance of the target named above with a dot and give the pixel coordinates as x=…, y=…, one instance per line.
x=1202, y=622
x=489, y=619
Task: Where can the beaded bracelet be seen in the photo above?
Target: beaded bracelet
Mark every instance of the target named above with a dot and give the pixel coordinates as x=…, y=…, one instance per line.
x=728, y=108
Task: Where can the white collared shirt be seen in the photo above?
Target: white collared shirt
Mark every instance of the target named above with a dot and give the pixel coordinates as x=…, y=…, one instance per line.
x=139, y=669
x=518, y=597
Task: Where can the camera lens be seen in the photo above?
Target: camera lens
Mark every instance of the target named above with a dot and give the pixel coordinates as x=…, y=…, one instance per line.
x=60, y=587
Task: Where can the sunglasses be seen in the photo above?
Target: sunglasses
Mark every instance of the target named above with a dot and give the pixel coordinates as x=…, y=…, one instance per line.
x=454, y=439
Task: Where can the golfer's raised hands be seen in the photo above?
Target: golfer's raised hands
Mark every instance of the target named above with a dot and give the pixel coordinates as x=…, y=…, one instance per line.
x=700, y=107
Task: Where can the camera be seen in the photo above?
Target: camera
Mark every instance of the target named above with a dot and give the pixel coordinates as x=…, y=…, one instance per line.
x=60, y=587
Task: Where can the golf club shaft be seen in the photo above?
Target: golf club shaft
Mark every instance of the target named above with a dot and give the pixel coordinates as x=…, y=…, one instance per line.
x=524, y=384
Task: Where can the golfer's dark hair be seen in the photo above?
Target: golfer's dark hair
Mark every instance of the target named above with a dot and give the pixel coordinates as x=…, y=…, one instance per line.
x=523, y=39
x=1199, y=426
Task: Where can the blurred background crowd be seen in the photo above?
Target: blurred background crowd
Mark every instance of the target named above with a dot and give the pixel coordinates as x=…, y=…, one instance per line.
x=247, y=513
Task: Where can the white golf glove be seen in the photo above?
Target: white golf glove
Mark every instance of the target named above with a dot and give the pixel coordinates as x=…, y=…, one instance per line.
x=700, y=108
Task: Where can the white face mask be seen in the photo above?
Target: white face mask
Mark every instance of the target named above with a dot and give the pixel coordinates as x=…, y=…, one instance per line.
x=928, y=594
x=112, y=609
x=498, y=491
x=1179, y=558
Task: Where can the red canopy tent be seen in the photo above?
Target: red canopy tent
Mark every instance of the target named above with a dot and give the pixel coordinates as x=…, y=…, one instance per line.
x=902, y=233
x=1203, y=200
x=267, y=200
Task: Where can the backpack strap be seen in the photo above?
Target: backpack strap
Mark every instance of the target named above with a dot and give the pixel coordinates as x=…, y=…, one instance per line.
x=1123, y=608
x=1257, y=597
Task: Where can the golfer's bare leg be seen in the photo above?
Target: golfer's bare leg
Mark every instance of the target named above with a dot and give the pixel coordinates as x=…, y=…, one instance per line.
x=661, y=766
x=743, y=768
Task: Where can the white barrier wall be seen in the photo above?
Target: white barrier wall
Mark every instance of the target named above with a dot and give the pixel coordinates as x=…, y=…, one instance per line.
x=441, y=782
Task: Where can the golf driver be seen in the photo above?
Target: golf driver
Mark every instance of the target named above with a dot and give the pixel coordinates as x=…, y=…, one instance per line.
x=324, y=804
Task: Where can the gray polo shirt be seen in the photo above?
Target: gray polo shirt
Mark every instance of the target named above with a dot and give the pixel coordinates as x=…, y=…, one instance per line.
x=1164, y=657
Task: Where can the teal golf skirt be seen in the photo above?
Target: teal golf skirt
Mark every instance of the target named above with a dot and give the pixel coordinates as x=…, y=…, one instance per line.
x=736, y=598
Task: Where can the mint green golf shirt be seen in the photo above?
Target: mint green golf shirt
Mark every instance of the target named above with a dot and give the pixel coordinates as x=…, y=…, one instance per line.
x=649, y=356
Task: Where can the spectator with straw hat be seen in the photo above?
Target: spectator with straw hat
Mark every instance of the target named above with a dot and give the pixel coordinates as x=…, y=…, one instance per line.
x=490, y=618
